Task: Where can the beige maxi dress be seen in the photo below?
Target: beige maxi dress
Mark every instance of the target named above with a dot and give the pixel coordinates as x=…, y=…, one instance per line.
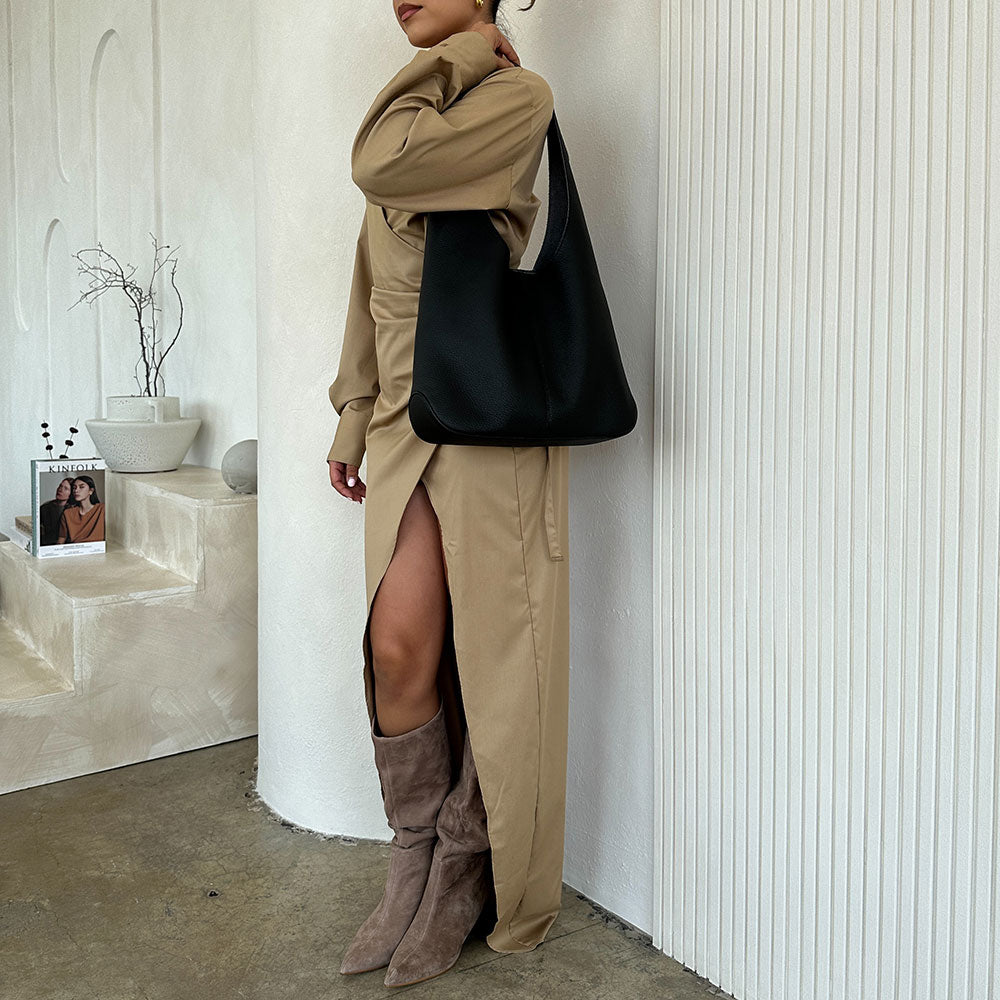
x=452, y=131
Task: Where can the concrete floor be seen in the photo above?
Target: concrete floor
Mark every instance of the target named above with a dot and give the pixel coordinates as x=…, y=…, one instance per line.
x=172, y=879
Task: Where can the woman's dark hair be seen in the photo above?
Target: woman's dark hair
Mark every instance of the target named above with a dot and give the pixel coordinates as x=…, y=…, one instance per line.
x=94, y=498
x=495, y=6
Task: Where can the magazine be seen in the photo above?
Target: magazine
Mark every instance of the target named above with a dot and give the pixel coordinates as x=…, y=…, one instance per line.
x=68, y=515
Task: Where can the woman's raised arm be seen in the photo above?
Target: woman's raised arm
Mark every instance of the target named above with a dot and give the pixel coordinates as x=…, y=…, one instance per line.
x=446, y=131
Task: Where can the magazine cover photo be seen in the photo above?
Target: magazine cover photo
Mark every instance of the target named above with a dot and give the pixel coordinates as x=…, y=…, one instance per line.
x=68, y=510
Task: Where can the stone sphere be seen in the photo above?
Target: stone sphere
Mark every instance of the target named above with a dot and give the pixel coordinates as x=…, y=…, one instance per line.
x=239, y=466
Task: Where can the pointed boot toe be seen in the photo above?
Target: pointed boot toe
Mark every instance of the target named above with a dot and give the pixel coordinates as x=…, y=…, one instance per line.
x=415, y=969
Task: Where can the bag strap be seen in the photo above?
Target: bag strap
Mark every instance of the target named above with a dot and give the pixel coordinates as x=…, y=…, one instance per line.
x=557, y=215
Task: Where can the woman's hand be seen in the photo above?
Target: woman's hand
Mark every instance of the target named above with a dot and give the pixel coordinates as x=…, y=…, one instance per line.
x=341, y=474
x=504, y=51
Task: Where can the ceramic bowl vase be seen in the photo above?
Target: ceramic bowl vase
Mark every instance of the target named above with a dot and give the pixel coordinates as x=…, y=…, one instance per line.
x=143, y=433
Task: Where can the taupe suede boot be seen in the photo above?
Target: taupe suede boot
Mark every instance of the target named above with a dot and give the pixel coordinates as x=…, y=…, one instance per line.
x=457, y=886
x=415, y=774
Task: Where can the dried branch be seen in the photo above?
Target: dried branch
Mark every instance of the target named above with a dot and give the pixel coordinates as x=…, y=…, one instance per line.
x=142, y=301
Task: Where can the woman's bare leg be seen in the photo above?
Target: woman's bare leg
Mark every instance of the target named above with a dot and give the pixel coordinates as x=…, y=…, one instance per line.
x=408, y=619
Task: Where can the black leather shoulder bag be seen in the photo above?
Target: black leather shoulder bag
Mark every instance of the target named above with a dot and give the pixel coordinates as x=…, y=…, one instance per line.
x=510, y=356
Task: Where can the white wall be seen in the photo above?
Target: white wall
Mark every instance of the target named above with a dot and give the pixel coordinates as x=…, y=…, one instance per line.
x=122, y=119
x=317, y=68
x=604, y=75
x=828, y=404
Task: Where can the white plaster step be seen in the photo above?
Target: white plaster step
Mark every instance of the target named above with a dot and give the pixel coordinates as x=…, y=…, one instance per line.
x=97, y=578
x=39, y=597
x=23, y=673
x=160, y=514
x=157, y=637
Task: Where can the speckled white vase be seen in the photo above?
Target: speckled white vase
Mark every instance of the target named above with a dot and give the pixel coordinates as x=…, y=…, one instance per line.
x=143, y=433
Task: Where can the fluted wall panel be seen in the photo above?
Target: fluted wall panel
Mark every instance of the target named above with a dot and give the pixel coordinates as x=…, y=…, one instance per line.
x=828, y=498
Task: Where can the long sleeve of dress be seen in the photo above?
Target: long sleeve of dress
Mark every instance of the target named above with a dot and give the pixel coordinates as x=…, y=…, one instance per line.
x=354, y=390
x=448, y=128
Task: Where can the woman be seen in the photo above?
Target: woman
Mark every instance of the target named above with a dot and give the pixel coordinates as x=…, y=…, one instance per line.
x=474, y=537
x=50, y=513
x=83, y=522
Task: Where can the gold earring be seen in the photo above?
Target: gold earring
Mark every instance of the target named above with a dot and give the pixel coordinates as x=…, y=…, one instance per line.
x=479, y=3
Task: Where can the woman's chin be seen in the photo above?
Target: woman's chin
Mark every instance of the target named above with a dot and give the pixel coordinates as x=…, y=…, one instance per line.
x=423, y=33
x=421, y=39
